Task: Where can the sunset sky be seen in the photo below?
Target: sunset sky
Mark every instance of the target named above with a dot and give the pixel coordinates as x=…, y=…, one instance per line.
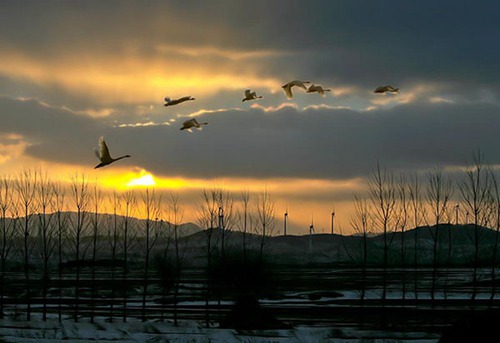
x=72, y=71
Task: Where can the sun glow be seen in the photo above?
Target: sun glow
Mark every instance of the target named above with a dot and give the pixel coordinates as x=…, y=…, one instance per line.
x=144, y=180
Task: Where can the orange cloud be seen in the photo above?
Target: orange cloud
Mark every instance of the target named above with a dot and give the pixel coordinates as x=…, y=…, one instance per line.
x=108, y=79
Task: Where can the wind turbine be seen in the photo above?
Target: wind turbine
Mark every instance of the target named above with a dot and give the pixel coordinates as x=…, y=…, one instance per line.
x=285, y=221
x=311, y=230
x=333, y=219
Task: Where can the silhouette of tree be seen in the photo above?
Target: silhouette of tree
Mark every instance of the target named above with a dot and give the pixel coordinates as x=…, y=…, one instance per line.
x=265, y=218
x=439, y=192
x=45, y=198
x=7, y=233
x=61, y=219
x=361, y=223
x=26, y=188
x=383, y=198
x=152, y=208
x=475, y=192
x=80, y=199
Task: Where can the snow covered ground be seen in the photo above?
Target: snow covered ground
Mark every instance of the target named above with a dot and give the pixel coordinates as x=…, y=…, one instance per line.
x=186, y=332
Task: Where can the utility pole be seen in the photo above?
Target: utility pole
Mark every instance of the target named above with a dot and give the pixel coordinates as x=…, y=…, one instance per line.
x=456, y=214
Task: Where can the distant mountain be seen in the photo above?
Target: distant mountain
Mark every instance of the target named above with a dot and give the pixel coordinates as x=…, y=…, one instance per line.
x=328, y=248
x=456, y=243
x=105, y=222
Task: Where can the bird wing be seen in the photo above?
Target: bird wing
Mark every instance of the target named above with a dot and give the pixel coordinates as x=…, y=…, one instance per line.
x=300, y=84
x=288, y=90
x=96, y=151
x=103, y=150
x=247, y=93
x=168, y=100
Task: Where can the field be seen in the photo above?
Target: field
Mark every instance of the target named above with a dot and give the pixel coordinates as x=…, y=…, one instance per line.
x=301, y=303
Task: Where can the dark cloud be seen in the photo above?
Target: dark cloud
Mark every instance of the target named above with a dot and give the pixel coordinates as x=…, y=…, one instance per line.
x=335, y=43
x=355, y=41
x=323, y=143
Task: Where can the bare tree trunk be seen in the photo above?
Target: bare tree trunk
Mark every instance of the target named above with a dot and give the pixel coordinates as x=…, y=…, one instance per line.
x=496, y=206
x=360, y=224
x=265, y=216
x=403, y=220
x=97, y=202
x=207, y=218
x=175, y=220
x=130, y=203
x=475, y=191
x=79, y=193
x=152, y=209
x=45, y=197
x=59, y=203
x=418, y=216
x=245, y=198
x=113, y=238
x=383, y=197
x=439, y=192
x=26, y=188
x=7, y=234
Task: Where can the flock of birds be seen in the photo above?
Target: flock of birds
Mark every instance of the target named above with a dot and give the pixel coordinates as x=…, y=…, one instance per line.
x=102, y=151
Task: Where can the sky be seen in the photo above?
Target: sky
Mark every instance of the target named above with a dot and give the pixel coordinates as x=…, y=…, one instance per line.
x=72, y=71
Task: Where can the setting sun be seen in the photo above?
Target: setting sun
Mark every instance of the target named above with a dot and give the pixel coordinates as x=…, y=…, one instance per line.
x=144, y=180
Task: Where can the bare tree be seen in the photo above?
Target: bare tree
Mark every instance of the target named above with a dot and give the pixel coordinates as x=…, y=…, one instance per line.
x=26, y=187
x=418, y=215
x=96, y=201
x=207, y=218
x=383, y=198
x=402, y=222
x=175, y=216
x=245, y=201
x=226, y=216
x=7, y=233
x=80, y=199
x=496, y=214
x=265, y=218
x=475, y=192
x=151, y=205
x=130, y=202
x=45, y=200
x=439, y=192
x=61, y=220
x=361, y=223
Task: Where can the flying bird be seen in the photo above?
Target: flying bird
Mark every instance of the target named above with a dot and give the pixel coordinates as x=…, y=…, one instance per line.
x=188, y=124
x=171, y=102
x=103, y=155
x=251, y=96
x=317, y=89
x=287, y=88
x=385, y=89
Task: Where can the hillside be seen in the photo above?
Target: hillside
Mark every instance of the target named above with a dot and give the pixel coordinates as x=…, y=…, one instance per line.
x=327, y=248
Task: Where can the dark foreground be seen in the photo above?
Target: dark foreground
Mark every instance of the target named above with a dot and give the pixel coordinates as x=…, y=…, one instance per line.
x=284, y=304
